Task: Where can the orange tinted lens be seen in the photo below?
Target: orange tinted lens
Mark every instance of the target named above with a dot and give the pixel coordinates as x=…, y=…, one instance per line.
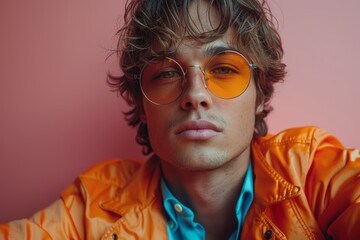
x=161, y=81
x=227, y=74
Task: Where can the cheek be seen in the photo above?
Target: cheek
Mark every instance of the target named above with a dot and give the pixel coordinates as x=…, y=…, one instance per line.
x=154, y=122
x=245, y=104
x=158, y=123
x=242, y=113
x=243, y=119
x=241, y=129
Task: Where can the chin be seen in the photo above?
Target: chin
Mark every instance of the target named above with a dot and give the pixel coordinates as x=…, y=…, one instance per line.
x=196, y=161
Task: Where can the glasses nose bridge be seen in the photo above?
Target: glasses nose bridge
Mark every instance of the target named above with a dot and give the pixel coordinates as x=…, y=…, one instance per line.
x=201, y=70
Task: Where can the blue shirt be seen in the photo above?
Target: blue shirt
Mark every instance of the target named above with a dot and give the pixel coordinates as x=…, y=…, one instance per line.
x=180, y=222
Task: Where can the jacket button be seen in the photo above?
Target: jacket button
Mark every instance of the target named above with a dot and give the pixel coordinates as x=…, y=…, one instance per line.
x=114, y=236
x=268, y=234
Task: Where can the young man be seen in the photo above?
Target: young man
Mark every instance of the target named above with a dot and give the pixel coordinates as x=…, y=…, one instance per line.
x=199, y=76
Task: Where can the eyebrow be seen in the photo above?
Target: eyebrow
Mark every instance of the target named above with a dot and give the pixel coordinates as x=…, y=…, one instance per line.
x=207, y=51
x=212, y=50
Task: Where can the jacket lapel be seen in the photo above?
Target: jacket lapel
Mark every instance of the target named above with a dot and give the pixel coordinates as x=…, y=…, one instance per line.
x=270, y=186
x=139, y=204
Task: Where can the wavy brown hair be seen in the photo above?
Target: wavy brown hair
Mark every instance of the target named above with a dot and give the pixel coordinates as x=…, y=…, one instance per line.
x=164, y=22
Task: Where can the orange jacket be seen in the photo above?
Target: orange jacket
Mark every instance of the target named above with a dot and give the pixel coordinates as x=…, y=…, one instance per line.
x=307, y=186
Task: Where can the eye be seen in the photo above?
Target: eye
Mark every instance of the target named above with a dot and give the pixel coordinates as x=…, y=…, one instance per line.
x=223, y=69
x=167, y=75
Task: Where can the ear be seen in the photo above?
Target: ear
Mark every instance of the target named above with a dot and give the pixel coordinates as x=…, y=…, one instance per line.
x=259, y=108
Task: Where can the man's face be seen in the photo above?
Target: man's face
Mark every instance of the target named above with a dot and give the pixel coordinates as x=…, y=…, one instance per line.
x=200, y=131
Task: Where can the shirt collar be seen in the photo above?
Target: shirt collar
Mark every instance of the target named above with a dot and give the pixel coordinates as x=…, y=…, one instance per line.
x=176, y=212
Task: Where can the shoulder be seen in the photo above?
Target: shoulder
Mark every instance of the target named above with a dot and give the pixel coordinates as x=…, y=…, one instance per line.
x=113, y=172
x=292, y=152
x=304, y=139
x=102, y=180
x=315, y=161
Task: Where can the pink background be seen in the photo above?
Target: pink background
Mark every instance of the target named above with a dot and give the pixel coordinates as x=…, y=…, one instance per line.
x=58, y=116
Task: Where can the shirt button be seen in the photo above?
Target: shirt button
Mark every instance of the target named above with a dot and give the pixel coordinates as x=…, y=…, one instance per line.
x=171, y=224
x=178, y=207
x=268, y=234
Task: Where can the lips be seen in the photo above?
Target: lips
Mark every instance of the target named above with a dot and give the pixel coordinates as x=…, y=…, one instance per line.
x=197, y=130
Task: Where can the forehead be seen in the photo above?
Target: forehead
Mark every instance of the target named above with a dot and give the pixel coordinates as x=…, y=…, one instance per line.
x=201, y=19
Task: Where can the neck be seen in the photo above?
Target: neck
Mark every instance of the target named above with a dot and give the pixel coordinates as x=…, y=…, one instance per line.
x=211, y=194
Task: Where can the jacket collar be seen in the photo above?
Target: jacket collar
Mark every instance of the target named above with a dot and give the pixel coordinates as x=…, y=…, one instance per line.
x=269, y=186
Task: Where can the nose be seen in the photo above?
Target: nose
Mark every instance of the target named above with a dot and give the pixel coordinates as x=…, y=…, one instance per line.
x=195, y=93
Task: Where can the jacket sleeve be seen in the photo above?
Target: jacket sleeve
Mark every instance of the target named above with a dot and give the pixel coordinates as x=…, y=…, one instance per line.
x=333, y=186
x=53, y=222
